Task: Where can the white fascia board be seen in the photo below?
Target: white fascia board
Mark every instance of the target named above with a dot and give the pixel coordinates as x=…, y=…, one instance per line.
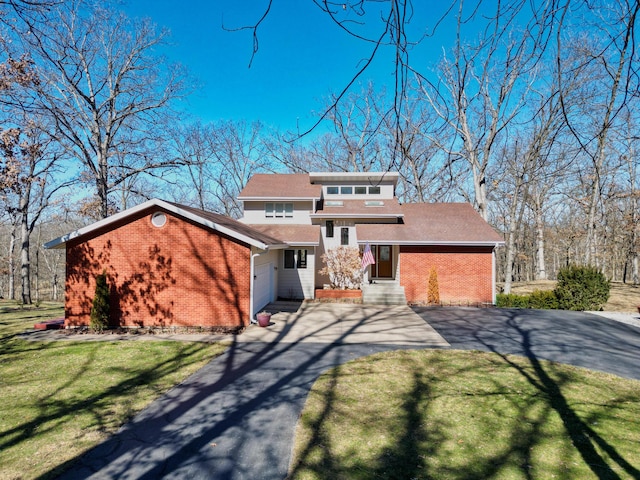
x=434, y=243
x=278, y=199
x=61, y=241
x=320, y=177
x=356, y=216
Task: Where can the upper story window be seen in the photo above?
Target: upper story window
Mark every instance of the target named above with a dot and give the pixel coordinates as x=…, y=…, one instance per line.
x=329, y=228
x=351, y=189
x=344, y=236
x=278, y=210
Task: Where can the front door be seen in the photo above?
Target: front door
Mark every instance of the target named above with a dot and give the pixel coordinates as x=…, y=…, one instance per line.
x=384, y=263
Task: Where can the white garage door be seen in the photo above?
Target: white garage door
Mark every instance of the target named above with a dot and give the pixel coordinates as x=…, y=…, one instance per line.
x=262, y=286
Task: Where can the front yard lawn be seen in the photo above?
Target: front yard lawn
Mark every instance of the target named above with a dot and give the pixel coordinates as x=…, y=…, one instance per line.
x=438, y=414
x=59, y=399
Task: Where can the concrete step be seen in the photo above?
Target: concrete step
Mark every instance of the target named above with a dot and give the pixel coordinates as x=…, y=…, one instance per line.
x=383, y=294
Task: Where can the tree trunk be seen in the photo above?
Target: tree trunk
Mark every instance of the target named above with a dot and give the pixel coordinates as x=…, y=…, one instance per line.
x=25, y=265
x=12, y=263
x=541, y=271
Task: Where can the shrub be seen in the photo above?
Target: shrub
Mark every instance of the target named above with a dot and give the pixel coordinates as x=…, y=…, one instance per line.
x=343, y=266
x=581, y=288
x=100, y=308
x=433, y=293
x=543, y=300
x=511, y=300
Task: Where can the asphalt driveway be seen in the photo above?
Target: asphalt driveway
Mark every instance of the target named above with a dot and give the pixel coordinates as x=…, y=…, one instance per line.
x=236, y=417
x=575, y=338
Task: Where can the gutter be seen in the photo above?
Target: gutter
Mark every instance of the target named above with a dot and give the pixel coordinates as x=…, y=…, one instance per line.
x=252, y=276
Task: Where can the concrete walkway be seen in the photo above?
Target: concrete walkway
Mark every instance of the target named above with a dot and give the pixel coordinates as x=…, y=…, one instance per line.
x=235, y=418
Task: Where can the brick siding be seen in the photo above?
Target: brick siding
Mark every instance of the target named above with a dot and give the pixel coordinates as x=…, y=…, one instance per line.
x=178, y=275
x=464, y=273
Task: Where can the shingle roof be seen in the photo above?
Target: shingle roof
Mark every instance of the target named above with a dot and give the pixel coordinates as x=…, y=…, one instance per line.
x=280, y=185
x=431, y=224
x=291, y=234
x=212, y=221
x=232, y=224
x=359, y=208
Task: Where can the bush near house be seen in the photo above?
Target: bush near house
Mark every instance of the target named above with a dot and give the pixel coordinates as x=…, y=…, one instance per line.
x=579, y=288
x=433, y=293
x=343, y=266
x=100, y=308
x=540, y=299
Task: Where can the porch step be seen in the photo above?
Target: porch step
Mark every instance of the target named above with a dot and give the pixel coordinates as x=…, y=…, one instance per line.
x=383, y=293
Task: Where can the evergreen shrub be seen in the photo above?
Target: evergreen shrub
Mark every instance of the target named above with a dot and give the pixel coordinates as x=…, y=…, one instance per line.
x=543, y=300
x=99, y=319
x=581, y=288
x=433, y=293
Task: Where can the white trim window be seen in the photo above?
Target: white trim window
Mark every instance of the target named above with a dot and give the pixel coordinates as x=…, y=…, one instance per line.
x=278, y=210
x=295, y=259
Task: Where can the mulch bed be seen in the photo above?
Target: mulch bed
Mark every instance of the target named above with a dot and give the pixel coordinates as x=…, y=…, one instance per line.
x=155, y=331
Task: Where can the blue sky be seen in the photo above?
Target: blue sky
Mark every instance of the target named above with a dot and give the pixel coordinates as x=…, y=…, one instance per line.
x=303, y=56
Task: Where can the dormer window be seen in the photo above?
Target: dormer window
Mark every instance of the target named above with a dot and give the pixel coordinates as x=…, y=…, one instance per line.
x=278, y=210
x=346, y=190
x=332, y=190
x=361, y=190
x=374, y=190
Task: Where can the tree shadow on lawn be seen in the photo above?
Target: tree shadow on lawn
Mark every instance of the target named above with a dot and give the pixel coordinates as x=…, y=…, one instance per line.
x=52, y=406
x=220, y=423
x=219, y=406
x=416, y=444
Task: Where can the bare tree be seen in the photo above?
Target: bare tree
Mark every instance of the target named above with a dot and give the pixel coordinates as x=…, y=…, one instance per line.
x=30, y=157
x=605, y=62
x=220, y=158
x=107, y=92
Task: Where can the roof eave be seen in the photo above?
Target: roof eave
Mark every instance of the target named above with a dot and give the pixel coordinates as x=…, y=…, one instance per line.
x=356, y=215
x=278, y=199
x=60, y=242
x=432, y=243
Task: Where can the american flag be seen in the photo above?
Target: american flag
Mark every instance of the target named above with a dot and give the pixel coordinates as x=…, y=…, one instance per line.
x=367, y=257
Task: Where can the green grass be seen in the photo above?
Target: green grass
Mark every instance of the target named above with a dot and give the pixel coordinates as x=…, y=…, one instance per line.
x=59, y=399
x=436, y=414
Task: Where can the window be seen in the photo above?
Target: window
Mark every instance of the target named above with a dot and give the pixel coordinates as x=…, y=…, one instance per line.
x=158, y=219
x=329, y=228
x=332, y=190
x=278, y=210
x=288, y=210
x=346, y=190
x=302, y=259
x=295, y=259
x=289, y=259
x=361, y=190
x=374, y=190
x=344, y=236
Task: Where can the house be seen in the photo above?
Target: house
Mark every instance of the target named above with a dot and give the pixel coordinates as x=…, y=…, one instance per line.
x=169, y=264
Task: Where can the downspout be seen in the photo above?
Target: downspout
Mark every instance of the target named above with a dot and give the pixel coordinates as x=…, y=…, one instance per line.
x=493, y=273
x=252, y=269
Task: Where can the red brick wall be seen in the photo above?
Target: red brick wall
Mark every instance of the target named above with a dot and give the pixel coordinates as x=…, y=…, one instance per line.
x=178, y=275
x=464, y=273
